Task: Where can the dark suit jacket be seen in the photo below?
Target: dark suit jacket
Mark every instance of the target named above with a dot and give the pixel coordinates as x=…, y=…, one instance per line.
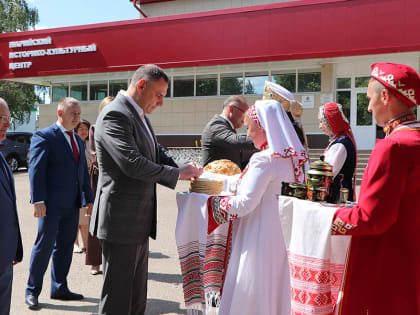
x=54, y=175
x=10, y=238
x=219, y=141
x=130, y=165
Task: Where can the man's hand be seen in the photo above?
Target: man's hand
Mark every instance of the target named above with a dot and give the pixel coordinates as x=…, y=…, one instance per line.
x=89, y=207
x=40, y=210
x=190, y=170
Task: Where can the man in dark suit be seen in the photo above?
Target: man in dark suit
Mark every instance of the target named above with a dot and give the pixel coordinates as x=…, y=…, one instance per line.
x=10, y=239
x=219, y=138
x=60, y=185
x=131, y=163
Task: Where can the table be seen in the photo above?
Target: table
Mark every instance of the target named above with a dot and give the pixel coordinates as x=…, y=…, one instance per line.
x=317, y=259
x=201, y=256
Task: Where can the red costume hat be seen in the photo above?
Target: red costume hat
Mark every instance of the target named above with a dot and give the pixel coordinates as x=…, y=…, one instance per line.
x=401, y=80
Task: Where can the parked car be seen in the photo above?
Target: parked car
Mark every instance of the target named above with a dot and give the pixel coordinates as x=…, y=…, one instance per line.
x=16, y=149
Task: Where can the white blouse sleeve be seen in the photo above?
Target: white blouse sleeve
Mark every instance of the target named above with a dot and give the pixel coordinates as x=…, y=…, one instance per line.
x=336, y=156
x=231, y=183
x=252, y=187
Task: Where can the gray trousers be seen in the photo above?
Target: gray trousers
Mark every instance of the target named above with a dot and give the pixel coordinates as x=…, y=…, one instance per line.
x=124, y=290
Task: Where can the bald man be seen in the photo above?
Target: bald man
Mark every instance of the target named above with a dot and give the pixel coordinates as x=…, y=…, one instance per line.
x=219, y=137
x=10, y=239
x=60, y=185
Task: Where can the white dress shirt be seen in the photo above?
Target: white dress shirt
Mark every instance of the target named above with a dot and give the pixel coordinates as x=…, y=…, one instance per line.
x=230, y=123
x=140, y=111
x=64, y=130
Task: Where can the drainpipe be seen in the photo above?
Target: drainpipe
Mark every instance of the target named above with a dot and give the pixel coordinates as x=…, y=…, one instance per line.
x=136, y=4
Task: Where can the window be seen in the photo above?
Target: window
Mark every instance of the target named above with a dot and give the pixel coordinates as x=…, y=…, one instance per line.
x=206, y=85
x=78, y=90
x=168, y=91
x=98, y=90
x=23, y=139
x=309, y=81
x=254, y=82
x=43, y=93
x=183, y=86
x=364, y=118
x=343, y=83
x=362, y=82
x=286, y=79
x=231, y=84
x=343, y=98
x=59, y=90
x=116, y=85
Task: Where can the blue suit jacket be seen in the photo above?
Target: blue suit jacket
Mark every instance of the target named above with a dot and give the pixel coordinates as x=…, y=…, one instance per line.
x=10, y=238
x=54, y=175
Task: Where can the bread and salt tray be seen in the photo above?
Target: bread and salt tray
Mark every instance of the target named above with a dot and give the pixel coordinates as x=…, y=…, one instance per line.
x=213, y=179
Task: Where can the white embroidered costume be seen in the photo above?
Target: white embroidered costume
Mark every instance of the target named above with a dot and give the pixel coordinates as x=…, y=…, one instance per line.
x=257, y=278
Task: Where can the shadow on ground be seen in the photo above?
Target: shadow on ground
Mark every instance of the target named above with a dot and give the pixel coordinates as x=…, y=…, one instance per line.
x=159, y=307
x=165, y=277
x=91, y=308
x=157, y=255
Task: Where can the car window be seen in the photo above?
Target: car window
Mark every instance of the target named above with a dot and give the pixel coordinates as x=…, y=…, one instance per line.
x=24, y=139
x=11, y=138
x=21, y=139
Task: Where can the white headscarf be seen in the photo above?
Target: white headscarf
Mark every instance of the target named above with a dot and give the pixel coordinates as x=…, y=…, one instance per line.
x=281, y=136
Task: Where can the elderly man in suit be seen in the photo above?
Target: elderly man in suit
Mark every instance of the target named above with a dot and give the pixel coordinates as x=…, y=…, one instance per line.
x=131, y=163
x=60, y=185
x=219, y=138
x=10, y=239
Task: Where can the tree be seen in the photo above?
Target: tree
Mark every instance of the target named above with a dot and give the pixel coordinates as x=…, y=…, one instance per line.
x=231, y=86
x=20, y=97
x=15, y=16
x=249, y=88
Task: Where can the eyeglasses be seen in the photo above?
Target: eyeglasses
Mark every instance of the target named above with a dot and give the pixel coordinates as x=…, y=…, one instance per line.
x=5, y=118
x=241, y=110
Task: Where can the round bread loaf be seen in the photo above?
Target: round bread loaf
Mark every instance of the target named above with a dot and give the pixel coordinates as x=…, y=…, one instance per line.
x=224, y=167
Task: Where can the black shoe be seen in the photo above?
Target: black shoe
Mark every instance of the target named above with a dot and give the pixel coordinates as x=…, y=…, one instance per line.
x=32, y=301
x=69, y=296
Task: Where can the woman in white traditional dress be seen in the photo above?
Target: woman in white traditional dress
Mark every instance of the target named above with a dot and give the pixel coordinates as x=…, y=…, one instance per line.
x=257, y=277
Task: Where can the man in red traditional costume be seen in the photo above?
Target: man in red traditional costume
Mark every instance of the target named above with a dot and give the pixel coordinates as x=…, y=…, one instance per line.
x=384, y=261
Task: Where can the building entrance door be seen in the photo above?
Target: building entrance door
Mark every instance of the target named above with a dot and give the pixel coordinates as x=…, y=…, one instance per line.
x=351, y=94
x=361, y=121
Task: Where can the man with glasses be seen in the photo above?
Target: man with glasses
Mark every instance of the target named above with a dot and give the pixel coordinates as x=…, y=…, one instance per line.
x=10, y=238
x=219, y=138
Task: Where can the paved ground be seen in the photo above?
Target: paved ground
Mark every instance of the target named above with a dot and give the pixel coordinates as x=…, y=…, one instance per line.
x=165, y=294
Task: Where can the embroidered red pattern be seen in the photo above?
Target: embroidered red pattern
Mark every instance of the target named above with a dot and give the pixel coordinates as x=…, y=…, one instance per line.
x=340, y=227
x=315, y=284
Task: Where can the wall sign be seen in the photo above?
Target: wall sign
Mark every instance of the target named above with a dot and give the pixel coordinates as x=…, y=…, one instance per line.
x=41, y=52
x=308, y=101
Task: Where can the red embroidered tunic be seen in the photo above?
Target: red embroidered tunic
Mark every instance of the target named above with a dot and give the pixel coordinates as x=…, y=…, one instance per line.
x=384, y=262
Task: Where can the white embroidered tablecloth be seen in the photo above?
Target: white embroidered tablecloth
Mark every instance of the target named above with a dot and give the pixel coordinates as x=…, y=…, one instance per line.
x=316, y=259
x=201, y=255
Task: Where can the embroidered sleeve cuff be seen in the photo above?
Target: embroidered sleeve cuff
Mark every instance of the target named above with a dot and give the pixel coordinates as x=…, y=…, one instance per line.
x=340, y=227
x=218, y=211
